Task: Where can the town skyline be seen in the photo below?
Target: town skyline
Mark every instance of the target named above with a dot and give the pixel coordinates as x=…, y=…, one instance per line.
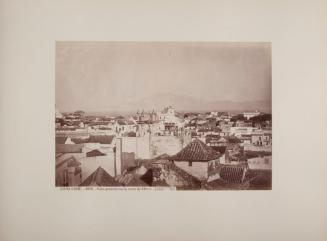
x=168, y=115
x=166, y=149
x=183, y=104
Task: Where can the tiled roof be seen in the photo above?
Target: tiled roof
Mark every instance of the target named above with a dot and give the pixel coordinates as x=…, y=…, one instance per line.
x=220, y=184
x=232, y=173
x=173, y=175
x=196, y=151
x=94, y=153
x=69, y=148
x=100, y=178
x=130, y=179
x=72, y=162
x=192, y=182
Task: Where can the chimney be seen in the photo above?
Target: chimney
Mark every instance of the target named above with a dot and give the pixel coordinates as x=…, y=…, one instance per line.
x=118, y=152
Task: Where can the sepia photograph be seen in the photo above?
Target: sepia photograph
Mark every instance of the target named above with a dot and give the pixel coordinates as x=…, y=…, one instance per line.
x=163, y=120
x=175, y=115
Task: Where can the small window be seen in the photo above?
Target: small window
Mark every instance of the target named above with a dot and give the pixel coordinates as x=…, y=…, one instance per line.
x=189, y=164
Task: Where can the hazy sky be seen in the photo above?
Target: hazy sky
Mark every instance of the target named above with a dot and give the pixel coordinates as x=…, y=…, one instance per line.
x=102, y=75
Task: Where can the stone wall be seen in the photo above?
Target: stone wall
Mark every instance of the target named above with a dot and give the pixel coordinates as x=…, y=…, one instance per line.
x=146, y=147
x=138, y=145
x=164, y=145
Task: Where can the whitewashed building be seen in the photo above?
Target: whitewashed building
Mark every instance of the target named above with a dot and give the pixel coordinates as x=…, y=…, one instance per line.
x=251, y=114
x=198, y=159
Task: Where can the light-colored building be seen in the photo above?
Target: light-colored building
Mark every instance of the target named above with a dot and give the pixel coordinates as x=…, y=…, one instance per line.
x=125, y=126
x=198, y=159
x=139, y=145
x=68, y=171
x=75, y=163
x=252, y=147
x=169, y=145
x=250, y=114
x=239, y=131
x=142, y=116
x=168, y=116
x=261, y=138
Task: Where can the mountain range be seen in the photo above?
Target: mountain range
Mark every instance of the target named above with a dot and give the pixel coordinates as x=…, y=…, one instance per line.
x=185, y=103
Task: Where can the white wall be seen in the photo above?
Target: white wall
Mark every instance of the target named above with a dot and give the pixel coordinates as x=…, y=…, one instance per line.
x=118, y=155
x=251, y=147
x=242, y=130
x=222, y=159
x=90, y=164
x=139, y=145
x=164, y=144
x=198, y=169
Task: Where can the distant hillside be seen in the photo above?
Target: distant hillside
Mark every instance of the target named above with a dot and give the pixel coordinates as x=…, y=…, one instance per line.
x=184, y=103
